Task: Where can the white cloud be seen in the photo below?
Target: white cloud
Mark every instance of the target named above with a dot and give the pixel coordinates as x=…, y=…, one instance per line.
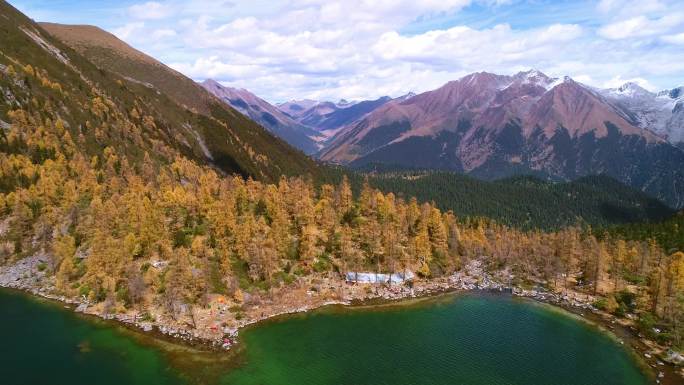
x=283, y=49
x=464, y=45
x=212, y=67
x=126, y=31
x=624, y=8
x=150, y=10
x=641, y=26
x=163, y=33
x=674, y=39
x=607, y=5
x=583, y=78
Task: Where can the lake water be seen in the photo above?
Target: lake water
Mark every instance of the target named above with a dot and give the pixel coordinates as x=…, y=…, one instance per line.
x=463, y=339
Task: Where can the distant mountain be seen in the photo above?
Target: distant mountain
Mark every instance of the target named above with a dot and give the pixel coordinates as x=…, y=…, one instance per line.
x=194, y=120
x=328, y=124
x=316, y=114
x=328, y=117
x=344, y=103
x=661, y=112
x=493, y=126
x=267, y=115
x=296, y=108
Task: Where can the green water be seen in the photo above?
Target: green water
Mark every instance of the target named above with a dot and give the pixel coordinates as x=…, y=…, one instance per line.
x=43, y=343
x=470, y=340
x=467, y=339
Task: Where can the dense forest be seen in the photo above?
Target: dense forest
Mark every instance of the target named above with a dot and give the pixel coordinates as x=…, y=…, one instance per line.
x=668, y=233
x=527, y=202
x=104, y=221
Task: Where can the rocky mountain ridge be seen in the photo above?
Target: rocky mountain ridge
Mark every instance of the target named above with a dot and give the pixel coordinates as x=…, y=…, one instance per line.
x=494, y=126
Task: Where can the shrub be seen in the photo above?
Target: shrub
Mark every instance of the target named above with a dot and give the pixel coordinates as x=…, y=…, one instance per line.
x=627, y=300
x=321, y=265
x=600, y=304
x=84, y=290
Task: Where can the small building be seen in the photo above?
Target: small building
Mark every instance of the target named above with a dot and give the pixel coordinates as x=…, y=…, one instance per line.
x=378, y=278
x=160, y=264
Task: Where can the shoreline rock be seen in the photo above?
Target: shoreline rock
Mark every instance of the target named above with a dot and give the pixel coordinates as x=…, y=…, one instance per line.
x=25, y=276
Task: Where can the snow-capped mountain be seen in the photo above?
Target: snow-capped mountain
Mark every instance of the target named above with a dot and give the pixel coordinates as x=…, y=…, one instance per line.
x=296, y=108
x=661, y=112
x=493, y=126
x=344, y=103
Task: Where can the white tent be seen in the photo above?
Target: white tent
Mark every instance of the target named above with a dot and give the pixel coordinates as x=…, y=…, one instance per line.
x=353, y=276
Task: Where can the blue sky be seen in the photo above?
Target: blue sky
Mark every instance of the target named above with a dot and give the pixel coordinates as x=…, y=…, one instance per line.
x=358, y=49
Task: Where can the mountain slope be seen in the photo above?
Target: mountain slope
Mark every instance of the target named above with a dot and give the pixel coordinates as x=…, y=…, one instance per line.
x=108, y=52
x=493, y=126
x=265, y=114
x=45, y=81
x=661, y=112
x=219, y=134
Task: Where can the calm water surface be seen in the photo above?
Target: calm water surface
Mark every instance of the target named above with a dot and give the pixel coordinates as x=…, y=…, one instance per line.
x=465, y=339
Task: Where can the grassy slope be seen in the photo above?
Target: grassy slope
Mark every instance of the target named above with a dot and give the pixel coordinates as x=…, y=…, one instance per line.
x=107, y=51
x=241, y=145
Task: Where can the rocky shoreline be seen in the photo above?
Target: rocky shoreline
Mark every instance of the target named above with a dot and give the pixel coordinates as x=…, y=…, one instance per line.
x=28, y=276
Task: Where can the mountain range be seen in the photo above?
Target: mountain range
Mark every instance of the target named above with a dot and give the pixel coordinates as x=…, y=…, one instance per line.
x=306, y=124
x=493, y=126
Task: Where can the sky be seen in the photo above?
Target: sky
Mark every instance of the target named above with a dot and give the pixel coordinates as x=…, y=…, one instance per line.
x=363, y=49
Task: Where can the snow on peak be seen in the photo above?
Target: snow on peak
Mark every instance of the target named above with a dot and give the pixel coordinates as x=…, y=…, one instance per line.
x=407, y=96
x=532, y=75
x=674, y=94
x=656, y=112
x=344, y=103
x=535, y=77
x=631, y=89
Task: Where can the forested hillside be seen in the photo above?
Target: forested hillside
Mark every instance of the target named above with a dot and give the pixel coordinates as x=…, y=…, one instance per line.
x=527, y=202
x=668, y=233
x=196, y=122
x=102, y=182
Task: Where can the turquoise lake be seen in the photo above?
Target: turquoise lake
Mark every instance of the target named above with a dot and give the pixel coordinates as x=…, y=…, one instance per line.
x=471, y=339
